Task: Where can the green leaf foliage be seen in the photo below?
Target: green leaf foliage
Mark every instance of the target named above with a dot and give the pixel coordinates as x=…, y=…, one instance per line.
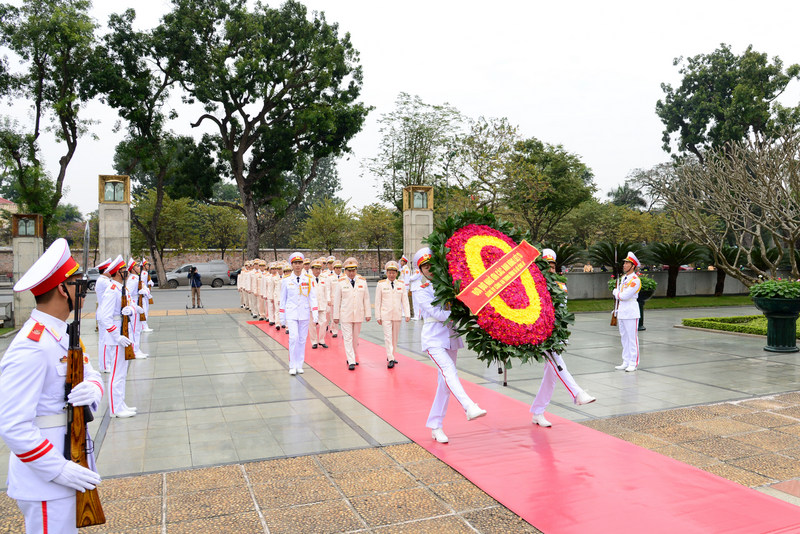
x=776, y=288
x=746, y=324
x=464, y=322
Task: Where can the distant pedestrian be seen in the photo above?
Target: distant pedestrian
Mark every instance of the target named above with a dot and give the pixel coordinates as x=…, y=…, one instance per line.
x=195, y=282
x=627, y=311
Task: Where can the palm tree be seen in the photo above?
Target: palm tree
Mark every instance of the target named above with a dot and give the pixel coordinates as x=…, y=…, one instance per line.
x=567, y=254
x=612, y=254
x=673, y=255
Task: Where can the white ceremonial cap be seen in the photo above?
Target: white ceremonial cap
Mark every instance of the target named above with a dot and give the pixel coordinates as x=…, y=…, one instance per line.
x=631, y=257
x=103, y=266
x=53, y=267
x=549, y=254
x=296, y=256
x=423, y=256
x=116, y=265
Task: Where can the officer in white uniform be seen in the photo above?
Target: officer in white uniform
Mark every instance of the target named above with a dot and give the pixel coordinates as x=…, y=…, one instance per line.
x=109, y=317
x=132, y=284
x=147, y=284
x=627, y=311
x=100, y=285
x=442, y=344
x=298, y=304
x=391, y=306
x=555, y=368
x=32, y=378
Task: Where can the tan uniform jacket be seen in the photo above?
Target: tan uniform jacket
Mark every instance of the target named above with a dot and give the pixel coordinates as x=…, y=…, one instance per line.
x=269, y=280
x=391, y=304
x=351, y=304
x=323, y=288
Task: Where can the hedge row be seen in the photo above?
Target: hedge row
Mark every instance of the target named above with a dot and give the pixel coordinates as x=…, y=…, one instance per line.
x=747, y=324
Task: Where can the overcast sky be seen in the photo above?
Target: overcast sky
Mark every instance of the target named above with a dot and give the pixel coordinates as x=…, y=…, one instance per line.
x=583, y=74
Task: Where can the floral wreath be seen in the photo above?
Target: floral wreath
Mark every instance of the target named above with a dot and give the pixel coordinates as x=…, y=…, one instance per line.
x=526, y=320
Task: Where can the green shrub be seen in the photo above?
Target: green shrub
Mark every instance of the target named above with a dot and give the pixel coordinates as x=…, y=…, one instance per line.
x=648, y=284
x=748, y=324
x=778, y=288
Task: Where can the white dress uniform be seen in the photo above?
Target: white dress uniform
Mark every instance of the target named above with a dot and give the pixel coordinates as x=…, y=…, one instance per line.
x=33, y=423
x=322, y=285
x=147, y=295
x=269, y=295
x=132, y=284
x=628, y=318
x=298, y=303
x=240, y=286
x=100, y=287
x=276, y=298
x=351, y=306
x=555, y=368
x=333, y=278
x=391, y=307
x=110, y=321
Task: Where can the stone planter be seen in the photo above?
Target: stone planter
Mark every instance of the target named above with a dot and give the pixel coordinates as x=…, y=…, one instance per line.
x=781, y=317
x=641, y=298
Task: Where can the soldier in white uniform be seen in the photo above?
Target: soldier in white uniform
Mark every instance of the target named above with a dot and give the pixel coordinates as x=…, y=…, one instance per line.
x=240, y=285
x=298, y=304
x=147, y=284
x=391, y=306
x=627, y=311
x=132, y=284
x=32, y=378
x=261, y=308
x=323, y=289
x=442, y=344
x=555, y=368
x=109, y=317
x=333, y=326
x=100, y=286
x=351, y=307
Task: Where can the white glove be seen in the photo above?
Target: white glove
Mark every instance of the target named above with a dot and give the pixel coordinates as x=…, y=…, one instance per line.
x=139, y=309
x=315, y=317
x=150, y=283
x=85, y=394
x=127, y=310
x=123, y=341
x=77, y=477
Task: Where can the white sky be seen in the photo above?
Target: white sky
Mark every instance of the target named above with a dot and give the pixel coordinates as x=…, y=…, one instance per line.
x=583, y=74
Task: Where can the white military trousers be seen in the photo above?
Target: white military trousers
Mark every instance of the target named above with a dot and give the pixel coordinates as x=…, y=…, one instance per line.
x=447, y=382
x=629, y=332
x=56, y=516
x=298, y=334
x=549, y=379
x=350, y=332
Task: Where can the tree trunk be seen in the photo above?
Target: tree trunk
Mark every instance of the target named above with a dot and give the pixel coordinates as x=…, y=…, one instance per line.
x=253, y=231
x=380, y=264
x=672, y=280
x=161, y=271
x=720, y=287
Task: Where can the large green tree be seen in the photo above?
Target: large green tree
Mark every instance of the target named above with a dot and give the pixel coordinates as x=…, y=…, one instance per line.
x=328, y=226
x=417, y=146
x=55, y=41
x=377, y=228
x=724, y=97
x=275, y=85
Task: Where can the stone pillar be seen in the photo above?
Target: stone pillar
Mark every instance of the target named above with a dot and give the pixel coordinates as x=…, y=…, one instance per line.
x=28, y=246
x=417, y=217
x=114, y=214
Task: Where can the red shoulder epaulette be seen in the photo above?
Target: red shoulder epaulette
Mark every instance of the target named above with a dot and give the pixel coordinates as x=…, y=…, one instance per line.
x=426, y=284
x=36, y=332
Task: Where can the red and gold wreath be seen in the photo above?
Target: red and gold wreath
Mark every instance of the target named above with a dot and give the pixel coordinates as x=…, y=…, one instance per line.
x=527, y=320
x=523, y=312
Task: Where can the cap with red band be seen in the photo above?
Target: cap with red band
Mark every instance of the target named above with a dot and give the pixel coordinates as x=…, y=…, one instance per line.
x=53, y=267
x=116, y=265
x=632, y=258
x=103, y=266
x=423, y=256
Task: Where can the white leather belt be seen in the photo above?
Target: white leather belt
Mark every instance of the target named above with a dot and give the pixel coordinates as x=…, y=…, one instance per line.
x=430, y=320
x=117, y=317
x=51, y=421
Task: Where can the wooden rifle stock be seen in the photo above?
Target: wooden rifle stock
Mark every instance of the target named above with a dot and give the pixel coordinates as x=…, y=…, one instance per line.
x=125, y=329
x=89, y=511
x=142, y=316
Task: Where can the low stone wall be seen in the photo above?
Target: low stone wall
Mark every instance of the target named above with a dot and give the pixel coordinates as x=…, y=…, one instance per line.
x=595, y=285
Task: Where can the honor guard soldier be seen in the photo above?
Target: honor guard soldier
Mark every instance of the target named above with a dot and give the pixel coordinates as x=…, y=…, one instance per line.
x=351, y=307
x=298, y=305
x=32, y=384
x=100, y=285
x=555, y=368
x=335, y=276
x=627, y=312
x=441, y=343
x=132, y=284
x=109, y=318
x=391, y=306
x=323, y=289
x=269, y=290
x=147, y=284
x=240, y=285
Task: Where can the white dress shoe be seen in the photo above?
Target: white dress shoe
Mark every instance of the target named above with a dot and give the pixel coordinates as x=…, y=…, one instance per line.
x=630, y=368
x=292, y=371
x=147, y=330
x=300, y=370
x=439, y=435
x=621, y=367
x=475, y=411
x=583, y=398
x=123, y=413
x=141, y=355
x=130, y=409
x=538, y=419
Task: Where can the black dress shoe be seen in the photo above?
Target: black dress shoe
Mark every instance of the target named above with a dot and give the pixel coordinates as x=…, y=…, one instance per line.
x=335, y=335
x=390, y=364
x=352, y=367
x=278, y=327
x=271, y=323
x=286, y=330
x=323, y=345
x=314, y=346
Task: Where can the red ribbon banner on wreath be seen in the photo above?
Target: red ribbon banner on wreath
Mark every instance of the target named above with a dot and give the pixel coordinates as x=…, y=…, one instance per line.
x=501, y=273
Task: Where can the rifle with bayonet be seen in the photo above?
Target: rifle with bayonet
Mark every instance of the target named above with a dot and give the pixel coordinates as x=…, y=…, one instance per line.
x=140, y=302
x=88, y=508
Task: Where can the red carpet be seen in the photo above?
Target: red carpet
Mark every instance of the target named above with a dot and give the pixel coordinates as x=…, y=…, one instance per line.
x=566, y=479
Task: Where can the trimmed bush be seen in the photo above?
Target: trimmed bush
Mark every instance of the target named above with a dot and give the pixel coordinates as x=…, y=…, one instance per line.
x=747, y=324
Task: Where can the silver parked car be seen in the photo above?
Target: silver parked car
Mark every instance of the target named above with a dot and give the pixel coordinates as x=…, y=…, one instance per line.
x=213, y=273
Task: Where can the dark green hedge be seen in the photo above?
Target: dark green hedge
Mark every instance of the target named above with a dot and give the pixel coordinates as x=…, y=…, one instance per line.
x=747, y=324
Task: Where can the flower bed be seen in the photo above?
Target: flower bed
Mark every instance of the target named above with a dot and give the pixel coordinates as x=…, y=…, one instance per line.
x=525, y=320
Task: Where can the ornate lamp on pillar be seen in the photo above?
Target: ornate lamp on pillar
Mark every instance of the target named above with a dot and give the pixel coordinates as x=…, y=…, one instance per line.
x=417, y=216
x=114, y=236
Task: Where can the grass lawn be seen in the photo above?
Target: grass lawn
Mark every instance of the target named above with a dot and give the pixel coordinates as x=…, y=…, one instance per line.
x=5, y=330
x=659, y=303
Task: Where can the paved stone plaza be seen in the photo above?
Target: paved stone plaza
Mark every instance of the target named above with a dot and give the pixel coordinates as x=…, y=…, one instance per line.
x=227, y=441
